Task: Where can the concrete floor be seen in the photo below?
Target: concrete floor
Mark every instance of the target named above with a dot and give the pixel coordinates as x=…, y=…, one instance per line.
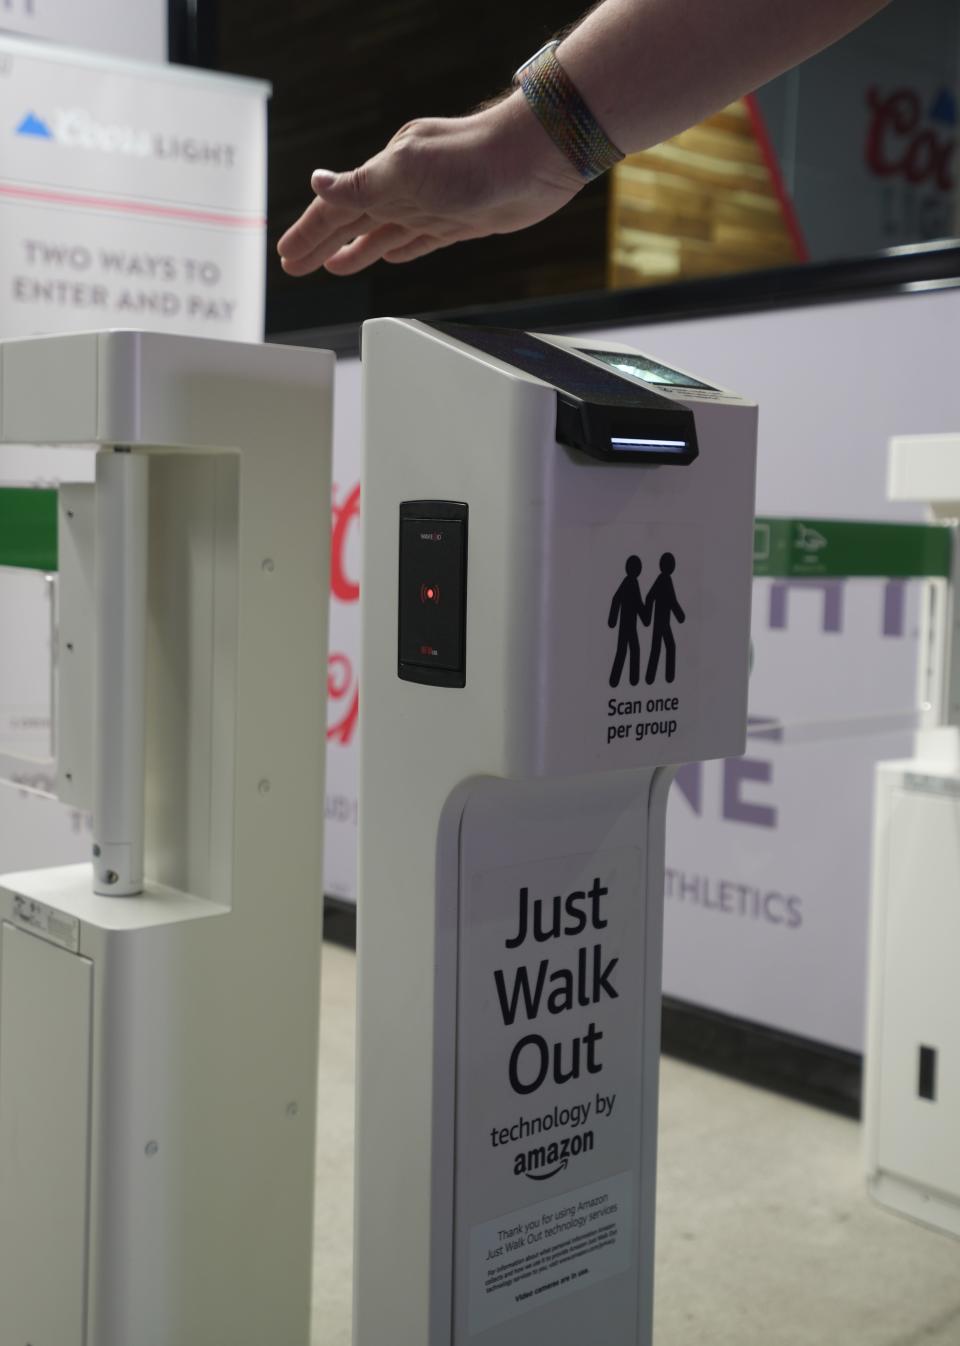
x=765, y=1238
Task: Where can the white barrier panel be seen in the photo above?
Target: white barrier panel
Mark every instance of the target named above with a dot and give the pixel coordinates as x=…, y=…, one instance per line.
x=134, y=28
x=768, y=857
x=130, y=195
x=157, y=1115
x=340, y=853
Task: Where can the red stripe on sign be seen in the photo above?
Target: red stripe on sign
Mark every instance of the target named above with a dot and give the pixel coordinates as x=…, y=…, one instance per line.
x=148, y=208
x=787, y=208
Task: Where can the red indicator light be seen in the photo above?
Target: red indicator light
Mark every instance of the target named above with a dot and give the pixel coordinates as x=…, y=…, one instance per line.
x=429, y=593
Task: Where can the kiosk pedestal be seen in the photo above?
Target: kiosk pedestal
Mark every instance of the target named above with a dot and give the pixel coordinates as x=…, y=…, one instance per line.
x=557, y=577
x=912, y=1086
x=158, y=1050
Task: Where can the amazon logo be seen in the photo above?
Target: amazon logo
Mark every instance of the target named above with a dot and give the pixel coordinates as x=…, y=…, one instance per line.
x=546, y=1161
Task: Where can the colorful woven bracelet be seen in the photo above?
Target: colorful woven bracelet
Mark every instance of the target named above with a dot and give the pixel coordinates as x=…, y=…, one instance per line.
x=564, y=115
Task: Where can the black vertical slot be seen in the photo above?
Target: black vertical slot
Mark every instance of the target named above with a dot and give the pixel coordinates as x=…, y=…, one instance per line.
x=433, y=592
x=927, y=1075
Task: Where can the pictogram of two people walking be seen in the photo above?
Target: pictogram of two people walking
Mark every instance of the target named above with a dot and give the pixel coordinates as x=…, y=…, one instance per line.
x=658, y=609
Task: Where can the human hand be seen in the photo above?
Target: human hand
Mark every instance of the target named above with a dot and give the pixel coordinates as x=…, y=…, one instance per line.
x=438, y=181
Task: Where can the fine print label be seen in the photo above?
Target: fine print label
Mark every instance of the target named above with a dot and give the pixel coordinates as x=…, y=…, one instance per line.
x=50, y=924
x=549, y=1250
x=549, y=1096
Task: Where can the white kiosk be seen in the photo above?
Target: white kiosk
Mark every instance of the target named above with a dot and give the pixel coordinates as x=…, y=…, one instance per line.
x=912, y=1087
x=557, y=572
x=158, y=1009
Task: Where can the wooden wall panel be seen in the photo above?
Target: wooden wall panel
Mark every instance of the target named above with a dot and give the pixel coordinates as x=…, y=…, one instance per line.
x=701, y=204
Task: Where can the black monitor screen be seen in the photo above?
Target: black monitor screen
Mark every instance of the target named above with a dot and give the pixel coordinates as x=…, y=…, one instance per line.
x=564, y=369
x=649, y=371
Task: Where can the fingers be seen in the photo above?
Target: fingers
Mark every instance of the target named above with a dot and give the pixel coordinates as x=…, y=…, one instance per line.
x=353, y=191
x=320, y=231
x=330, y=241
x=369, y=248
x=379, y=210
x=417, y=247
x=341, y=205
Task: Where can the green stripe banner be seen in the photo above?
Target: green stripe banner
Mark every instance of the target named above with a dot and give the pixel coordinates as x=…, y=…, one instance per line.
x=835, y=549
x=28, y=528
x=782, y=548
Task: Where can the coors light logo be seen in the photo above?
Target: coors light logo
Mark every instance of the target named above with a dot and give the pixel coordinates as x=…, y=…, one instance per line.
x=909, y=141
x=911, y=153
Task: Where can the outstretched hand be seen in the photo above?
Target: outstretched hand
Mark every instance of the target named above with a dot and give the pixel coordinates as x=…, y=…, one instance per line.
x=439, y=181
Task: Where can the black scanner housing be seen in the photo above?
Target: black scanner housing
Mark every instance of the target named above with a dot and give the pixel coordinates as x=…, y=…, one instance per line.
x=601, y=412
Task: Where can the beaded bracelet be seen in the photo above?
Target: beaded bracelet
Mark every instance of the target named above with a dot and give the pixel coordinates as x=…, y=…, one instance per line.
x=564, y=115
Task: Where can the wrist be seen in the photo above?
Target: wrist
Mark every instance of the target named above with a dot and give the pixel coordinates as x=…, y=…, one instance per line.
x=559, y=105
x=522, y=148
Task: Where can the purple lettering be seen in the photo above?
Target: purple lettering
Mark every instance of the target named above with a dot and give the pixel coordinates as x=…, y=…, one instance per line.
x=832, y=591
x=894, y=604
x=736, y=771
x=689, y=781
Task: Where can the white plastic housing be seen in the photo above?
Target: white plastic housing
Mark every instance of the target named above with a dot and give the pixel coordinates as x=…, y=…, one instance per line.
x=925, y=468
x=120, y=678
x=912, y=1104
x=912, y=1083
x=158, y=1053
x=515, y=779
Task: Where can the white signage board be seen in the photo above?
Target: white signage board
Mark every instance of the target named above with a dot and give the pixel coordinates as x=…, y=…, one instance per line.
x=557, y=1021
x=131, y=195
x=549, y=1090
x=133, y=28
x=768, y=856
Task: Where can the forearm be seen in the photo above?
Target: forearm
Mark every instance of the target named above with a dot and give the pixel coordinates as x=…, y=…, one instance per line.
x=648, y=69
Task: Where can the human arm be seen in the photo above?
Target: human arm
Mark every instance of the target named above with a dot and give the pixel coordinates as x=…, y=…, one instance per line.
x=647, y=69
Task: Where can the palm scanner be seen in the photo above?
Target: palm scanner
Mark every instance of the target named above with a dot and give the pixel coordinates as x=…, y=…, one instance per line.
x=557, y=571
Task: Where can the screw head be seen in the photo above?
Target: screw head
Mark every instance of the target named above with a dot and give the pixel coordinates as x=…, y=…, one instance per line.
x=263, y=786
x=151, y=1148
x=96, y=852
x=112, y=876
x=293, y=1109
x=268, y=565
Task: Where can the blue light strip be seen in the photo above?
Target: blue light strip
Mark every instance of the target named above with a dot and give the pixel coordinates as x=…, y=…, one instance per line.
x=669, y=445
